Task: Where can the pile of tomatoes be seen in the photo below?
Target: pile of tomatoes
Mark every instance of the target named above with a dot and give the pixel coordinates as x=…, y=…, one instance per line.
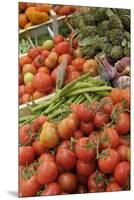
x=88, y=151
x=38, y=69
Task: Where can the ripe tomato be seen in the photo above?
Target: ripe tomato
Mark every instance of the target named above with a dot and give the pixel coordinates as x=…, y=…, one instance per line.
x=108, y=160
x=112, y=187
x=107, y=105
x=52, y=189
x=109, y=138
x=26, y=155
x=38, y=147
x=124, y=140
x=86, y=127
x=96, y=181
x=86, y=168
x=74, y=117
x=66, y=128
x=62, y=48
x=73, y=75
x=67, y=56
x=78, y=134
x=21, y=90
x=29, y=88
x=123, y=152
x=123, y=123
x=38, y=122
x=47, y=172
x=68, y=182
x=85, y=149
x=70, y=68
x=29, y=68
x=28, y=187
x=116, y=95
x=37, y=94
x=100, y=119
x=78, y=63
x=65, y=144
x=42, y=82
x=95, y=137
x=33, y=52
x=54, y=75
x=25, y=60
x=26, y=134
x=45, y=53
x=58, y=39
x=39, y=61
x=46, y=156
x=82, y=180
x=74, y=107
x=65, y=158
x=122, y=172
x=125, y=94
x=83, y=112
x=26, y=98
x=45, y=70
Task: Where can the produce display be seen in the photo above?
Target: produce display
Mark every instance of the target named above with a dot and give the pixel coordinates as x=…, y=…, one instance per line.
x=78, y=140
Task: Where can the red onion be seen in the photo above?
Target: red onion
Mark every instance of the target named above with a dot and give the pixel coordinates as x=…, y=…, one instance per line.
x=122, y=64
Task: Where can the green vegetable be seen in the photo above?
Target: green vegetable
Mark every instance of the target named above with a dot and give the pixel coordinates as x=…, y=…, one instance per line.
x=116, y=36
x=116, y=52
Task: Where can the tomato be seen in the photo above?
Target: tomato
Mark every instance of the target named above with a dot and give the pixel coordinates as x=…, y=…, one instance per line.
x=37, y=94
x=122, y=172
x=96, y=181
x=124, y=140
x=109, y=138
x=66, y=158
x=68, y=182
x=45, y=70
x=123, y=152
x=86, y=168
x=123, y=123
x=116, y=95
x=21, y=79
x=125, y=94
x=83, y=112
x=26, y=134
x=82, y=189
x=25, y=60
x=86, y=127
x=42, y=82
x=48, y=136
x=82, y=180
x=67, y=56
x=21, y=90
x=78, y=134
x=100, y=119
x=107, y=105
x=52, y=189
x=66, y=128
x=58, y=39
x=74, y=107
x=112, y=187
x=47, y=172
x=28, y=68
x=26, y=98
x=108, y=160
x=38, y=122
x=70, y=68
x=73, y=75
x=85, y=149
x=29, y=88
x=95, y=137
x=28, y=187
x=38, y=147
x=74, y=117
x=91, y=67
x=62, y=48
x=45, y=53
x=53, y=58
x=46, y=156
x=78, y=63
x=33, y=52
x=54, y=75
x=26, y=155
x=75, y=43
x=39, y=61
x=65, y=144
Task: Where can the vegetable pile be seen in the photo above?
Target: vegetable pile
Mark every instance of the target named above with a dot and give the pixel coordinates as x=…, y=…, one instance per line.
x=86, y=151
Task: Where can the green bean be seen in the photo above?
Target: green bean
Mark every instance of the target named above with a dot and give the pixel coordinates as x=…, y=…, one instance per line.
x=45, y=104
x=55, y=106
x=88, y=97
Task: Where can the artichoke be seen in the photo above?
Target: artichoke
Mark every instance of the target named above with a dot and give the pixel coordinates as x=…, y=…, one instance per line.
x=102, y=27
x=99, y=14
x=116, y=36
x=127, y=50
x=115, y=22
x=116, y=52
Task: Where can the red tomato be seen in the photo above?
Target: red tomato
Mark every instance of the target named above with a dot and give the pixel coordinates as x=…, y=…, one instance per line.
x=123, y=123
x=62, y=48
x=123, y=152
x=78, y=63
x=108, y=160
x=83, y=112
x=82, y=189
x=54, y=75
x=33, y=52
x=28, y=187
x=66, y=158
x=29, y=68
x=82, y=180
x=78, y=134
x=65, y=144
x=26, y=134
x=73, y=75
x=112, y=187
x=74, y=117
x=116, y=95
x=85, y=149
x=107, y=105
x=58, y=39
x=38, y=147
x=122, y=172
x=47, y=172
x=29, y=88
x=68, y=182
x=21, y=90
x=124, y=140
x=45, y=70
x=38, y=122
x=26, y=98
x=26, y=155
x=25, y=60
x=95, y=137
x=86, y=168
x=96, y=181
x=39, y=61
x=45, y=53
x=125, y=94
x=52, y=189
x=100, y=119
x=70, y=68
x=74, y=107
x=21, y=80
x=109, y=138
x=46, y=156
x=37, y=94
x=66, y=128
x=67, y=56
x=42, y=82
x=86, y=127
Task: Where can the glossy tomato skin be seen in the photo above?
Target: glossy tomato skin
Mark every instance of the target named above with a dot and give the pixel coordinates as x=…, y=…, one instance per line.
x=112, y=187
x=62, y=48
x=124, y=140
x=38, y=122
x=109, y=138
x=123, y=152
x=26, y=134
x=29, y=88
x=100, y=119
x=96, y=182
x=68, y=182
x=122, y=172
x=58, y=39
x=116, y=95
x=83, y=113
x=86, y=168
x=26, y=155
x=39, y=61
x=123, y=123
x=83, y=152
x=86, y=127
x=108, y=161
x=28, y=187
x=66, y=158
x=73, y=75
x=107, y=105
x=78, y=134
x=33, y=52
x=38, y=147
x=52, y=189
x=21, y=90
x=74, y=117
x=47, y=172
x=46, y=156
